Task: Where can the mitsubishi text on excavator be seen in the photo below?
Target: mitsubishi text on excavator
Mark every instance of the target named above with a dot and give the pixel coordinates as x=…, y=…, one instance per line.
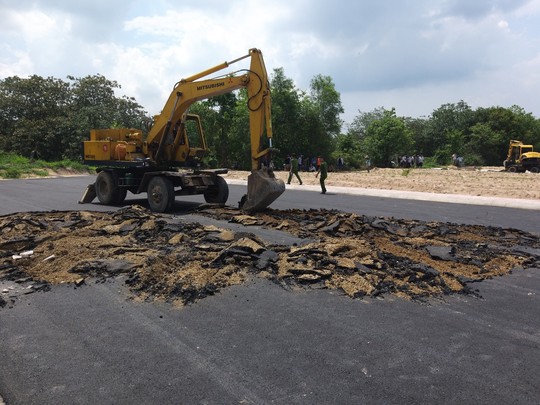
x=166, y=163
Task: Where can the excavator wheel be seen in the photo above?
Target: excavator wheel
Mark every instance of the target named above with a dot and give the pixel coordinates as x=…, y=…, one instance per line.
x=534, y=169
x=219, y=193
x=106, y=189
x=512, y=169
x=160, y=194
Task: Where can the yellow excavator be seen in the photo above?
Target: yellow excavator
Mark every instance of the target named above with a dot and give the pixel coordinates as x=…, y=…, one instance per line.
x=521, y=158
x=166, y=163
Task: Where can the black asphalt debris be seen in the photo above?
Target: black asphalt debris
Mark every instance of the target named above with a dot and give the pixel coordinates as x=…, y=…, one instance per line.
x=165, y=258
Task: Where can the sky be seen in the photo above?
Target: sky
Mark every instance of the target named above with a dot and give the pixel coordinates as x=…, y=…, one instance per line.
x=411, y=55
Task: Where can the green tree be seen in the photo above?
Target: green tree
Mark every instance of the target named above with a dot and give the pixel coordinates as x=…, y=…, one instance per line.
x=239, y=140
x=504, y=124
x=361, y=122
x=351, y=146
x=387, y=138
x=419, y=130
x=315, y=140
x=95, y=105
x=217, y=116
x=447, y=119
x=34, y=115
x=290, y=134
x=483, y=146
x=327, y=101
x=529, y=126
x=54, y=116
x=455, y=144
x=322, y=109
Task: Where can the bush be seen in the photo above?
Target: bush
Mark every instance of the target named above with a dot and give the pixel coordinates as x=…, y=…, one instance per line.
x=430, y=162
x=10, y=173
x=14, y=166
x=11, y=159
x=474, y=159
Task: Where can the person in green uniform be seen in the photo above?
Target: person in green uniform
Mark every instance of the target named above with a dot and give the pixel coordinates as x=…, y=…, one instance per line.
x=294, y=170
x=323, y=170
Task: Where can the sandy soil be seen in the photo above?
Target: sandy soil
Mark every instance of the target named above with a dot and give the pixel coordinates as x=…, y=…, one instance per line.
x=476, y=181
x=166, y=259
x=486, y=181
x=361, y=256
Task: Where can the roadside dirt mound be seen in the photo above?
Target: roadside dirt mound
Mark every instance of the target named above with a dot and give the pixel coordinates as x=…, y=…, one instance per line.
x=165, y=258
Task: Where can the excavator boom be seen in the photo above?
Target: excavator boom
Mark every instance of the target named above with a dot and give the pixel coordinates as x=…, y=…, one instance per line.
x=263, y=186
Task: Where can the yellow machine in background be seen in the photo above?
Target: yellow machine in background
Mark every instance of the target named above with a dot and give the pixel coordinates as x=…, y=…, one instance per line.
x=165, y=163
x=521, y=158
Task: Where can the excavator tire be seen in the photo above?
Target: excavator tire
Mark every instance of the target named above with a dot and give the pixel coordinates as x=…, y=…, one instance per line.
x=219, y=193
x=263, y=188
x=534, y=169
x=160, y=194
x=106, y=189
x=512, y=169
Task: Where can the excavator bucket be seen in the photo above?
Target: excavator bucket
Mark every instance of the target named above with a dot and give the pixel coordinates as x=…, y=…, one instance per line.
x=88, y=195
x=263, y=188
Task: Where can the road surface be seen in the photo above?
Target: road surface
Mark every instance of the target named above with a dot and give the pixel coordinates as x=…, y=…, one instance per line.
x=259, y=343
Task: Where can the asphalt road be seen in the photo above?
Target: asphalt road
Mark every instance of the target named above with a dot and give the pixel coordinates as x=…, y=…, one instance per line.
x=259, y=343
x=64, y=193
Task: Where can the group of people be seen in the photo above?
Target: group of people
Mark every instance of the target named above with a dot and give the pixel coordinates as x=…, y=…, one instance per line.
x=294, y=164
x=411, y=161
x=457, y=161
x=305, y=164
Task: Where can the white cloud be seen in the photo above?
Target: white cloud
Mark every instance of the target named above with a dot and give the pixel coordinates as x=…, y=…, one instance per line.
x=414, y=56
x=502, y=24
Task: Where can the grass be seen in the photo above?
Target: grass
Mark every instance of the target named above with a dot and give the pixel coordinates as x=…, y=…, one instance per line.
x=14, y=166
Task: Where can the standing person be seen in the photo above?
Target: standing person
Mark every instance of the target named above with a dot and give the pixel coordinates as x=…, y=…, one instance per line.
x=340, y=163
x=287, y=165
x=323, y=170
x=34, y=155
x=368, y=163
x=294, y=170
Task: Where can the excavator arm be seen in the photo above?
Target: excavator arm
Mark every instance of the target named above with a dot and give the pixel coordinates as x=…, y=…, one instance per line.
x=192, y=89
x=162, y=141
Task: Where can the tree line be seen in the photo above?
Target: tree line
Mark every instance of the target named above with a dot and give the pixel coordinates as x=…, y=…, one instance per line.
x=480, y=137
x=54, y=116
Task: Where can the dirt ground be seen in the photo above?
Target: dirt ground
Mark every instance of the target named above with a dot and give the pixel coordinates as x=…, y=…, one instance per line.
x=481, y=181
x=476, y=181
x=165, y=258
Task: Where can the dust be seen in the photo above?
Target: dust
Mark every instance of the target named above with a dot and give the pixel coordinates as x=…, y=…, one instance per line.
x=162, y=257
